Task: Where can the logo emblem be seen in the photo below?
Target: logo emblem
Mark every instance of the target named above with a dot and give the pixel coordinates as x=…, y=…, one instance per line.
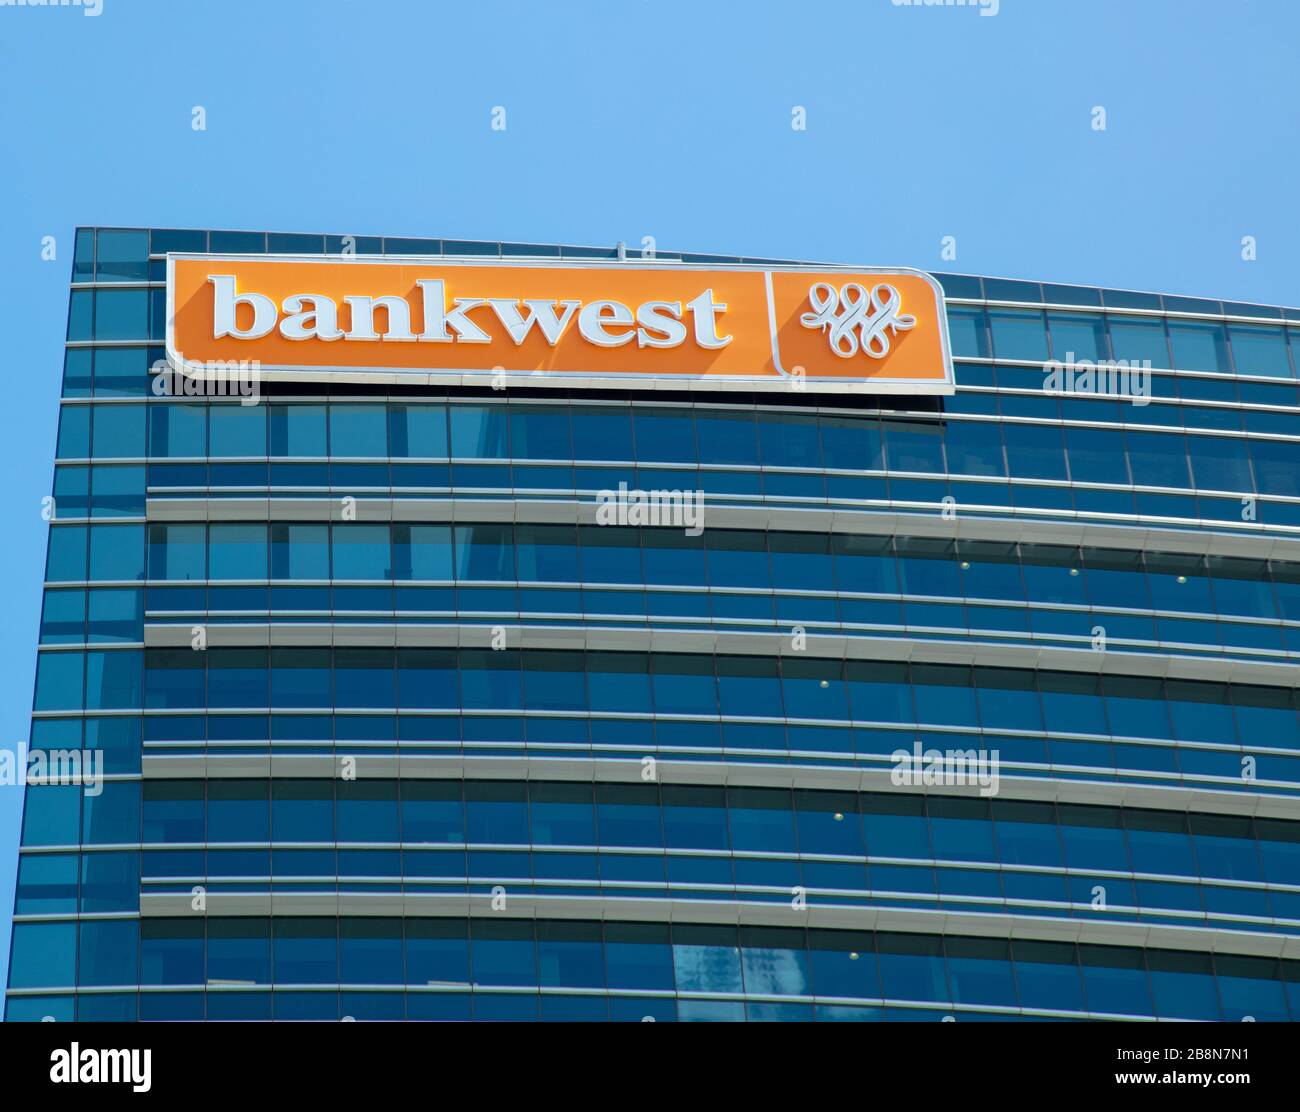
x=857, y=318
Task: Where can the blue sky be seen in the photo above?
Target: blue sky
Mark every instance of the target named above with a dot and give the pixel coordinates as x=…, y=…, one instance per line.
x=628, y=119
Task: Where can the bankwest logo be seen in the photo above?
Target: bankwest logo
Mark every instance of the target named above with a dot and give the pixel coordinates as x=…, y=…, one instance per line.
x=540, y=323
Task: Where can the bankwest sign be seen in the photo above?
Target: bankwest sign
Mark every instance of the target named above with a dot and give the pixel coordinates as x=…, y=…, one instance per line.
x=536, y=323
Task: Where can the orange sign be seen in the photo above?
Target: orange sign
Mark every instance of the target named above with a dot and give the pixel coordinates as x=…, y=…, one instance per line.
x=540, y=323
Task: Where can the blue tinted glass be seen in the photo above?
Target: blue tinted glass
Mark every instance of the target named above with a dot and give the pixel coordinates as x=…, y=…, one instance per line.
x=238, y=430
x=1138, y=339
x=707, y=965
x=418, y=431
x=300, y=552
x=1078, y=336
x=237, y=551
x=177, y=430
x=81, y=315
x=44, y=955
x=1221, y=463
x=726, y=437
x=1158, y=459
x=77, y=372
x=121, y=372
x=74, y=432
x=118, y=430
x=297, y=430
x=108, y=952
x=122, y=314
x=1259, y=351
x=1035, y=451
x=83, y=265
x=968, y=332
x=914, y=446
x=358, y=430
x=851, y=444
x=361, y=551
x=1199, y=346
x=47, y=884
x=122, y=256
x=479, y=432
x=1018, y=334
x=117, y=552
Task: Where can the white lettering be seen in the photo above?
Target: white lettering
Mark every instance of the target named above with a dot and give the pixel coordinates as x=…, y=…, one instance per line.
x=225, y=304
x=312, y=316
x=595, y=319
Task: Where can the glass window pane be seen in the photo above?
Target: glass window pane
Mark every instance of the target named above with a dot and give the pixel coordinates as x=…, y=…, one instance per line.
x=1259, y=351
x=1199, y=346
x=237, y=551
x=1018, y=334
x=238, y=430
x=418, y=431
x=298, y=430
x=1078, y=336
x=1138, y=340
x=122, y=314
x=177, y=430
x=118, y=431
x=122, y=256
x=358, y=430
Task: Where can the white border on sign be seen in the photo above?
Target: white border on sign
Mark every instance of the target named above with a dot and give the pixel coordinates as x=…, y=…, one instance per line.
x=474, y=376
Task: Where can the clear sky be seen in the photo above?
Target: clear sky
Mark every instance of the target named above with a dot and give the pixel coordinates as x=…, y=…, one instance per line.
x=625, y=119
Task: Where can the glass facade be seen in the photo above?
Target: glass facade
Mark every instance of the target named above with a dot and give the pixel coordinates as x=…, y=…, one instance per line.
x=465, y=753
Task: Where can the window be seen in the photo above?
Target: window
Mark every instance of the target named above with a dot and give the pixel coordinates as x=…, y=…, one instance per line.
x=1018, y=334
x=479, y=432
x=177, y=552
x=540, y=432
x=1035, y=451
x=358, y=430
x=361, y=552
x=1221, y=463
x=122, y=256
x=121, y=314
x=237, y=551
x=1078, y=336
x=297, y=430
x=727, y=437
x=974, y=448
x=300, y=552
x=684, y=684
x=1139, y=340
x=1158, y=459
x=1275, y=467
x=238, y=430
x=418, y=431
x=121, y=372
x=1259, y=351
x=968, y=332
x=118, y=431
x=44, y=955
x=788, y=440
x=662, y=436
x=706, y=959
x=1199, y=346
x=177, y=430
